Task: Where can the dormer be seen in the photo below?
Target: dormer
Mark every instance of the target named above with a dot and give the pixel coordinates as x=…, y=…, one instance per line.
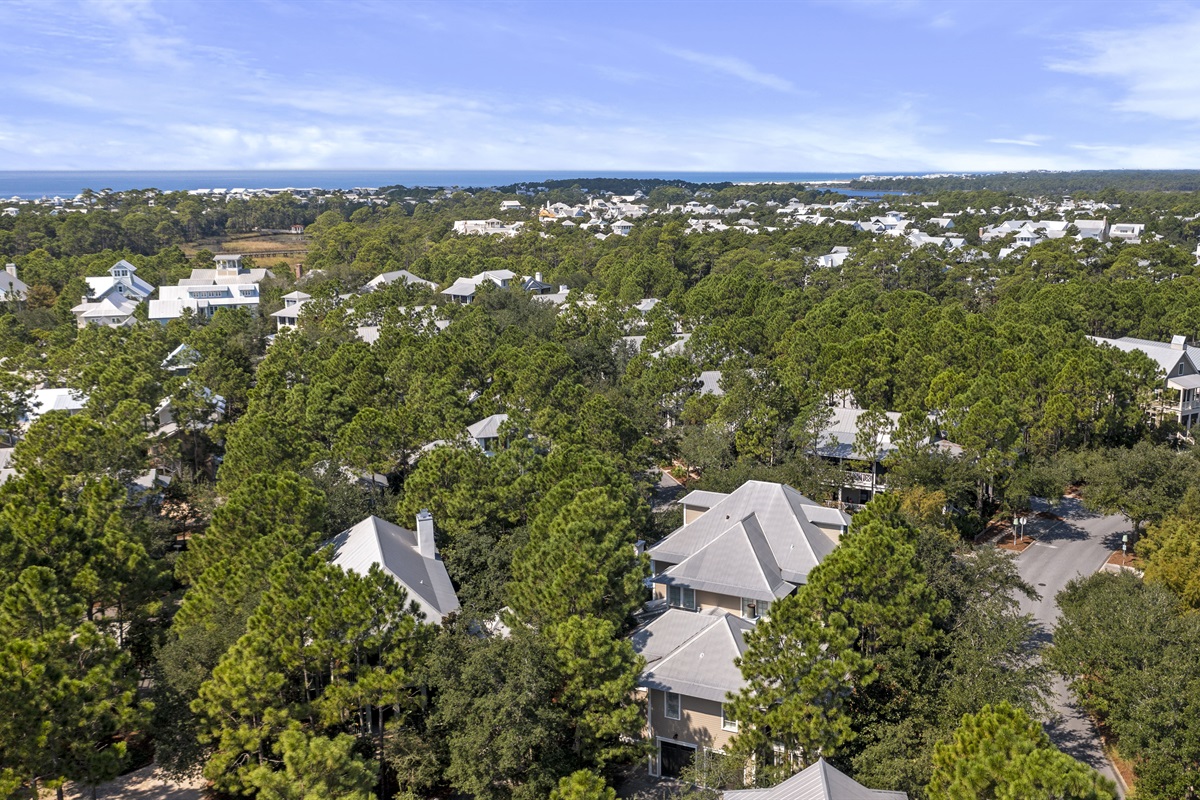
x=696, y=503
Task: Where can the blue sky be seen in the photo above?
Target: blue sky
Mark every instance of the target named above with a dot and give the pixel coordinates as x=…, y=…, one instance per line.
x=847, y=86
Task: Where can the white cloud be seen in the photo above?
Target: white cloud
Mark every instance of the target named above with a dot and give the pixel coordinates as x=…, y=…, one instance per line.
x=735, y=67
x=1157, y=67
x=1029, y=140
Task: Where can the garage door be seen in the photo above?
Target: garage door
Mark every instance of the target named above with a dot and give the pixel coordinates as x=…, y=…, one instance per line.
x=674, y=757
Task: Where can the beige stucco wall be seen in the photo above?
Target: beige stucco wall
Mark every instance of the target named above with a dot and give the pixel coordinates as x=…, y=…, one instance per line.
x=833, y=533
x=709, y=600
x=699, y=722
x=692, y=513
x=706, y=600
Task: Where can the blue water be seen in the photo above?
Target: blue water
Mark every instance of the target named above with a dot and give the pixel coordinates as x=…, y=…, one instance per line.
x=33, y=184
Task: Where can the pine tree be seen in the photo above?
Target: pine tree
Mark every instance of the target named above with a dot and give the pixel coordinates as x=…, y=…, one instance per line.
x=579, y=561
x=600, y=673
x=583, y=785
x=315, y=767
x=1002, y=754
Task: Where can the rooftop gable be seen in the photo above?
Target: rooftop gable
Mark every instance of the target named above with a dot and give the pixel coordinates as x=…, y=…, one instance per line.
x=739, y=563
x=394, y=549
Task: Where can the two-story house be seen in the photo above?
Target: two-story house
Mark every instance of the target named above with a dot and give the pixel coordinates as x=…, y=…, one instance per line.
x=289, y=315
x=718, y=573
x=112, y=299
x=463, y=290
x=863, y=473
x=690, y=668
x=1177, y=361
x=740, y=552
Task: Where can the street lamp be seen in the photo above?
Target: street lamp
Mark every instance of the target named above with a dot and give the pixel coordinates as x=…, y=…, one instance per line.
x=1018, y=521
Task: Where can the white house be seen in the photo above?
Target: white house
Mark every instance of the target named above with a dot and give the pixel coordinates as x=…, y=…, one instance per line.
x=1178, y=366
x=1127, y=232
x=486, y=227
x=228, y=285
x=463, y=290
x=289, y=315
x=12, y=287
x=835, y=258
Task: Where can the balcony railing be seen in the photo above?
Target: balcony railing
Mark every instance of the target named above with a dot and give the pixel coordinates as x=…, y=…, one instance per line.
x=862, y=480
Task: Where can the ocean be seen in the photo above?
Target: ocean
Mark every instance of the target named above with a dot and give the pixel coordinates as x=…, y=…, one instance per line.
x=37, y=184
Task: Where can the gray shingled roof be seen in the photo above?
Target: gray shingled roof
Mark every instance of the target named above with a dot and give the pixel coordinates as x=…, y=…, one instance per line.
x=377, y=541
x=796, y=544
x=693, y=654
x=821, y=781
x=739, y=562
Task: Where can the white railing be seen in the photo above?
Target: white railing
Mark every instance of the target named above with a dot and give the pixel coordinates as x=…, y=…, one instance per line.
x=862, y=480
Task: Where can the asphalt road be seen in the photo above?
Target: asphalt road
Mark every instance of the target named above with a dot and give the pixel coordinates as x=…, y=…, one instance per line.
x=1077, y=545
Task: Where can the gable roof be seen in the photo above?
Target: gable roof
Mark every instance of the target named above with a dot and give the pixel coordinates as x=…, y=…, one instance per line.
x=692, y=654
x=402, y=275
x=821, y=781
x=11, y=286
x=488, y=427
x=1161, y=353
x=110, y=306
x=377, y=541
x=44, y=400
x=781, y=512
x=843, y=427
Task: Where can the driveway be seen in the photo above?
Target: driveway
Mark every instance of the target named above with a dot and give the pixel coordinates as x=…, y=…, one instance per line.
x=1077, y=544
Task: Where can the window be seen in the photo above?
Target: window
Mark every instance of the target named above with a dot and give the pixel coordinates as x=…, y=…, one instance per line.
x=672, y=706
x=681, y=597
x=1180, y=367
x=749, y=608
x=727, y=724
